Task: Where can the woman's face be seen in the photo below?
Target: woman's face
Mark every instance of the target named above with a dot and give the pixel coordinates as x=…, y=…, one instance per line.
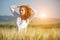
x=22, y=11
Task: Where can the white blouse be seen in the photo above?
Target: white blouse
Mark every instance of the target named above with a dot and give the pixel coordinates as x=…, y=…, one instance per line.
x=21, y=24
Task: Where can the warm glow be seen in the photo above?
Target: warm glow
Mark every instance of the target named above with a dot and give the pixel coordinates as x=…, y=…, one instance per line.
x=43, y=15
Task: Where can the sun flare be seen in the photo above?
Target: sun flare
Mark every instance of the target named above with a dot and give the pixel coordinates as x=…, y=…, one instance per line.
x=43, y=15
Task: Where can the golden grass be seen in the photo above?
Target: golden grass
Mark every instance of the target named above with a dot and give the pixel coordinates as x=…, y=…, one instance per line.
x=32, y=33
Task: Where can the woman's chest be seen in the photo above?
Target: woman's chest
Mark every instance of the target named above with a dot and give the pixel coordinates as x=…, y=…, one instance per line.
x=21, y=21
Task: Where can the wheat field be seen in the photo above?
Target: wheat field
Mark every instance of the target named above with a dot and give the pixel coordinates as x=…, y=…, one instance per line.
x=8, y=31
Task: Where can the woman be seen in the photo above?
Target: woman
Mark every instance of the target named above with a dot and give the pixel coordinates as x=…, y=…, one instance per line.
x=24, y=17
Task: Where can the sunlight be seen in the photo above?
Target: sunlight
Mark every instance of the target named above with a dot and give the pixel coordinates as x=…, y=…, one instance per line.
x=43, y=15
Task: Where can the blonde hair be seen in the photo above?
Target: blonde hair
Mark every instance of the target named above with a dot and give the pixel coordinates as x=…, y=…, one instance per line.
x=28, y=11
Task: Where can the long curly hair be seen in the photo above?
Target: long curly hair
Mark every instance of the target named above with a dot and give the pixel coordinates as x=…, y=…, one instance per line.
x=28, y=11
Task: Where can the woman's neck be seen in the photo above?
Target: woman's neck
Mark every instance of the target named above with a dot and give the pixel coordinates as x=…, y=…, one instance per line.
x=22, y=17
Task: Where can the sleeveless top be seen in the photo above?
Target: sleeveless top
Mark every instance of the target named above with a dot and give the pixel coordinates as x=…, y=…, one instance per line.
x=21, y=23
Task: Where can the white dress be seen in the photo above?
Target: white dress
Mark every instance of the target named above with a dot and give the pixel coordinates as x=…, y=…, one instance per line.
x=21, y=24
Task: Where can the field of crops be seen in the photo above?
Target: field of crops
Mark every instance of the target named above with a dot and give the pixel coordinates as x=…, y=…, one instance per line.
x=8, y=31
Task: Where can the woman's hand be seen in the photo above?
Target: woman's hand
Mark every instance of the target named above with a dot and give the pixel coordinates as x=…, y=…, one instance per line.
x=12, y=8
x=18, y=6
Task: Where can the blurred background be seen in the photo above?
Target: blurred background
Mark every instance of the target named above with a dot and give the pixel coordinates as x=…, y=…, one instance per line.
x=44, y=26
x=46, y=8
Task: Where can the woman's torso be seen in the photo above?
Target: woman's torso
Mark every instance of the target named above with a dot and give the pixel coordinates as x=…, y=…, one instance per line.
x=22, y=23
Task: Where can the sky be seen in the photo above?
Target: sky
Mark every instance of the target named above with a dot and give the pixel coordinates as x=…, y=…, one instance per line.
x=50, y=7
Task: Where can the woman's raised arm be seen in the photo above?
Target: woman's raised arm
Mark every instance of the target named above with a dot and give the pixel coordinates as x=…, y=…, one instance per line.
x=12, y=8
x=32, y=15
